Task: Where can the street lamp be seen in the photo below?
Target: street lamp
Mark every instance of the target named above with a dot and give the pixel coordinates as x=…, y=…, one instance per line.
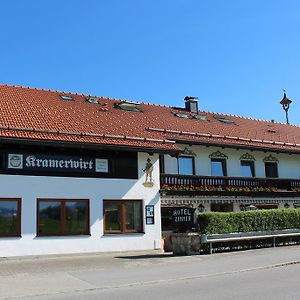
x=285, y=102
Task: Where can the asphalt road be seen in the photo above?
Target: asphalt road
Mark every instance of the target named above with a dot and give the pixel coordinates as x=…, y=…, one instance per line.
x=255, y=274
x=275, y=283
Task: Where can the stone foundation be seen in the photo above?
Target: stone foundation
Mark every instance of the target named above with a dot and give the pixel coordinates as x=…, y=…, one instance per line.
x=186, y=243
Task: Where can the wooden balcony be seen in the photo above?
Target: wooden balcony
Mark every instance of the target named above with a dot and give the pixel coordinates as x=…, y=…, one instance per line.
x=172, y=184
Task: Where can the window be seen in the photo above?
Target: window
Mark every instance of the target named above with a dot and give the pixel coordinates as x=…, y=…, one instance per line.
x=218, y=167
x=182, y=115
x=123, y=216
x=66, y=97
x=128, y=106
x=224, y=120
x=247, y=168
x=10, y=217
x=200, y=117
x=92, y=100
x=63, y=217
x=186, y=165
x=271, y=169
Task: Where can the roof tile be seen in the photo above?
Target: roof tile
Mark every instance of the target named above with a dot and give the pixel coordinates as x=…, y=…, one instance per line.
x=41, y=114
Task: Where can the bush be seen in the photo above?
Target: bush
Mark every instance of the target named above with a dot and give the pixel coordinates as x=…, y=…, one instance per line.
x=258, y=220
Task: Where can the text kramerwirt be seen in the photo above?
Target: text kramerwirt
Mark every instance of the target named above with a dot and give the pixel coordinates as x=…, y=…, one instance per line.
x=33, y=162
x=56, y=163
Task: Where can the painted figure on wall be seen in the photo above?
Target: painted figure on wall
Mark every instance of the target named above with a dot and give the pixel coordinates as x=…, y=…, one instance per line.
x=148, y=170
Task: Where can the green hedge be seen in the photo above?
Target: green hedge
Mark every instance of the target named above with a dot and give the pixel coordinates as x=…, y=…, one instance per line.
x=258, y=220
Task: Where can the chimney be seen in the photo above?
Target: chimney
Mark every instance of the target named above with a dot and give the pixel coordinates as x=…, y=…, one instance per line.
x=191, y=104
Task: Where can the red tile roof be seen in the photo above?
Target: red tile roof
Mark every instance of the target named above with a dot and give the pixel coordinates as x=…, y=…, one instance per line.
x=37, y=114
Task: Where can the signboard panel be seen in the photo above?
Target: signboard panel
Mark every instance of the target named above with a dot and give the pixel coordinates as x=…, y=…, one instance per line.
x=149, y=214
x=57, y=163
x=183, y=218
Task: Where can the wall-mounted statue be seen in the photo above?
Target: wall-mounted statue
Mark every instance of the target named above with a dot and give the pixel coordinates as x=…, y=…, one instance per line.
x=148, y=170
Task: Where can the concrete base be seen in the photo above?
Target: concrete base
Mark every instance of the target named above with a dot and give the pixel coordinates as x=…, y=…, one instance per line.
x=186, y=243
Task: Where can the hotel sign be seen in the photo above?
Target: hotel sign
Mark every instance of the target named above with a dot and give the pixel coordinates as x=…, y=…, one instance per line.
x=183, y=215
x=57, y=163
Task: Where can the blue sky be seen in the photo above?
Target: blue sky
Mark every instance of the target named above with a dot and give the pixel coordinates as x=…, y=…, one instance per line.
x=235, y=55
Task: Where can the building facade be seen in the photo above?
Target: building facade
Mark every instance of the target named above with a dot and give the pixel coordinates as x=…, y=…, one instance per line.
x=73, y=177
x=50, y=209
x=82, y=173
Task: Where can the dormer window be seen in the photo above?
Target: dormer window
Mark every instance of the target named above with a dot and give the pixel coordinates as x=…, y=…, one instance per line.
x=66, y=97
x=128, y=106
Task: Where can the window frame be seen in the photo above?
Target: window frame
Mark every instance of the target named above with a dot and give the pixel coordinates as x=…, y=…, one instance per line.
x=19, y=217
x=66, y=97
x=271, y=163
x=193, y=164
x=123, y=229
x=224, y=166
x=62, y=217
x=252, y=167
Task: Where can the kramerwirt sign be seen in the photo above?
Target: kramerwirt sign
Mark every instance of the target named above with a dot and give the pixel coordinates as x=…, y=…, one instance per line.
x=57, y=163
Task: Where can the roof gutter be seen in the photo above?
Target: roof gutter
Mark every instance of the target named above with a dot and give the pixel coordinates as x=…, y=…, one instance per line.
x=235, y=146
x=88, y=146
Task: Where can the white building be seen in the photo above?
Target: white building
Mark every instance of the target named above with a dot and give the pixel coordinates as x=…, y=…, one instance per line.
x=92, y=174
x=72, y=183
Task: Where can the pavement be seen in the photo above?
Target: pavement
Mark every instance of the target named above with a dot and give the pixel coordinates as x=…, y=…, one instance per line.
x=40, y=276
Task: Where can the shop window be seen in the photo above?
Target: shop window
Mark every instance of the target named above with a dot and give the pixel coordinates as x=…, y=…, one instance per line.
x=123, y=216
x=10, y=217
x=247, y=168
x=266, y=206
x=221, y=207
x=218, y=167
x=63, y=217
x=271, y=169
x=186, y=165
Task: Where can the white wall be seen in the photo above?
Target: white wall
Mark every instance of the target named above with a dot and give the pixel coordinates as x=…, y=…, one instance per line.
x=288, y=166
x=29, y=188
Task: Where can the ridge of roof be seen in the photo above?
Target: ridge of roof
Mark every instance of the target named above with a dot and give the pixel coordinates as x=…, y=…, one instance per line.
x=56, y=91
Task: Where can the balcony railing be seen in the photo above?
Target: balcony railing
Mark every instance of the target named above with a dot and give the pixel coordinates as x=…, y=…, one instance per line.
x=235, y=185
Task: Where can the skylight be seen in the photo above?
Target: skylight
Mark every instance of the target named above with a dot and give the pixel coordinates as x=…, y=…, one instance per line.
x=93, y=100
x=66, y=97
x=183, y=116
x=225, y=120
x=128, y=106
x=200, y=117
